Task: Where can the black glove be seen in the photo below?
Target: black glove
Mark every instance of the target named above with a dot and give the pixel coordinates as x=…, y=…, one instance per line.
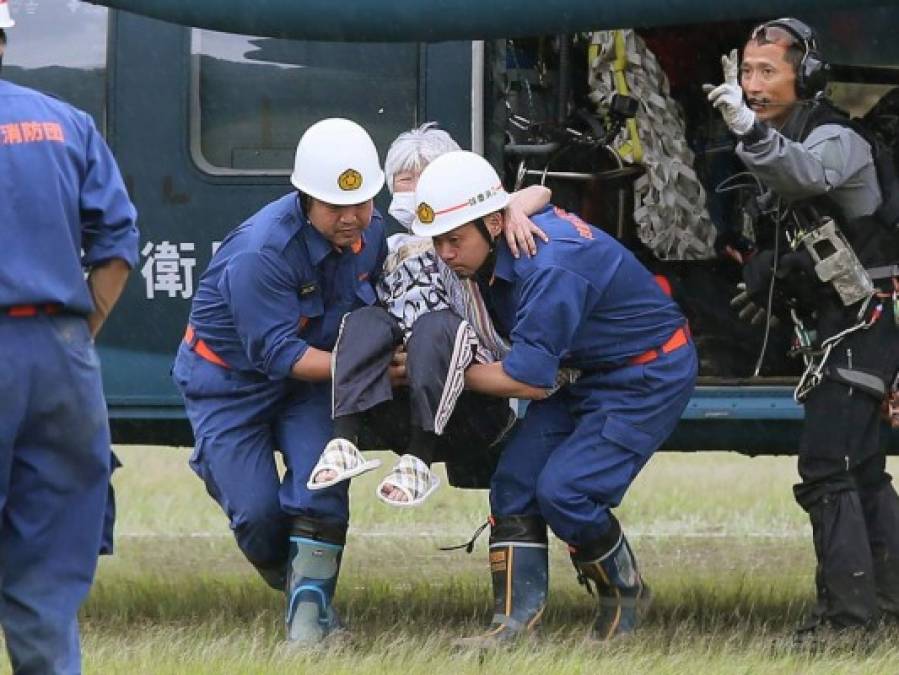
x=797, y=278
x=752, y=301
x=797, y=269
x=757, y=274
x=748, y=310
x=796, y=262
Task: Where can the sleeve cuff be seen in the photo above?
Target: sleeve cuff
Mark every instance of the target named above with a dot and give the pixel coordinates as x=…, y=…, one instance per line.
x=531, y=365
x=756, y=134
x=282, y=361
x=122, y=249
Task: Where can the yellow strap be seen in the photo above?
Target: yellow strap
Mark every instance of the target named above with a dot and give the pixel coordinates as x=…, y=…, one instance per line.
x=592, y=55
x=631, y=149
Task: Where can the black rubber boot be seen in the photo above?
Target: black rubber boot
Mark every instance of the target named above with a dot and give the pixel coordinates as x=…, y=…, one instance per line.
x=519, y=566
x=316, y=548
x=611, y=565
x=844, y=575
x=881, y=509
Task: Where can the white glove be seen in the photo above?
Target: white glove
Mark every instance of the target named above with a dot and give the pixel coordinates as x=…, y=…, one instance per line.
x=728, y=97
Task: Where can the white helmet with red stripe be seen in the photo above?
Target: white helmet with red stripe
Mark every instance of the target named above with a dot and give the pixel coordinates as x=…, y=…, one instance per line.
x=5, y=17
x=455, y=189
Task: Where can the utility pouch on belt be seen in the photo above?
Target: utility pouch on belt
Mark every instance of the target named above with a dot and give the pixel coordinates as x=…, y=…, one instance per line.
x=869, y=383
x=836, y=263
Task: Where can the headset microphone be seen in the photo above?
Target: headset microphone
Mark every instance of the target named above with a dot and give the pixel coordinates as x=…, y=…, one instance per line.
x=769, y=105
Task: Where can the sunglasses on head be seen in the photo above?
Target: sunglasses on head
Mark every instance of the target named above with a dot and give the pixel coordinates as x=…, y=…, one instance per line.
x=766, y=34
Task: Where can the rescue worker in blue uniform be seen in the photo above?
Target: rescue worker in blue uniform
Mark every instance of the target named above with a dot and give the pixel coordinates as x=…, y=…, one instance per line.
x=255, y=365
x=582, y=302
x=63, y=209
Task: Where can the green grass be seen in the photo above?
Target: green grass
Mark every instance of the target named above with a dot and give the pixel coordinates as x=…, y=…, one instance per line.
x=718, y=536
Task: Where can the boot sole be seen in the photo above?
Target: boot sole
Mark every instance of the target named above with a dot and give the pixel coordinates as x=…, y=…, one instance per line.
x=337, y=639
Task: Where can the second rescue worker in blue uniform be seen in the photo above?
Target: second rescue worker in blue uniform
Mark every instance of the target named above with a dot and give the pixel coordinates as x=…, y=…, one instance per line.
x=255, y=365
x=63, y=210
x=584, y=302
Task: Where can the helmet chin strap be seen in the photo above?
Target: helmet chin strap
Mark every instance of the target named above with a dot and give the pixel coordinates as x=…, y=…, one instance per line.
x=482, y=228
x=485, y=271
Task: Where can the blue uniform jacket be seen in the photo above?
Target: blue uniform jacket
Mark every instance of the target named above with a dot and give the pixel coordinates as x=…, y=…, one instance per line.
x=583, y=301
x=276, y=287
x=63, y=205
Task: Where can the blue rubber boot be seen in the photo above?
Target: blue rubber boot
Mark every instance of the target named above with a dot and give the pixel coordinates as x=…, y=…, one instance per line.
x=519, y=565
x=313, y=565
x=612, y=567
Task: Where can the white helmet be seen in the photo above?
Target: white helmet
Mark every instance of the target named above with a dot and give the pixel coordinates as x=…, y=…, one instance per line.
x=5, y=17
x=455, y=189
x=337, y=163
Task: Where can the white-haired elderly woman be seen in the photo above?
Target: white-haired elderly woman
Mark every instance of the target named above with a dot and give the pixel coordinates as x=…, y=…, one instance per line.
x=435, y=325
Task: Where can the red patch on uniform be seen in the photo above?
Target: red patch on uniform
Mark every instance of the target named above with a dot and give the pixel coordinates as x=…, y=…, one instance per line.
x=53, y=132
x=17, y=133
x=664, y=284
x=32, y=132
x=579, y=225
x=10, y=134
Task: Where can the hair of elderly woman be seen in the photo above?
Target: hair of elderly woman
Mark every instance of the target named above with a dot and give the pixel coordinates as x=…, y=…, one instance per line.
x=413, y=150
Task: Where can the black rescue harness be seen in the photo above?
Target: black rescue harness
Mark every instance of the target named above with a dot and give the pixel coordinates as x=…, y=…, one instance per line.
x=858, y=258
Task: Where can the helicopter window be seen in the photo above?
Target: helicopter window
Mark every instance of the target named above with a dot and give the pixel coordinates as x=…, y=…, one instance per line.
x=856, y=98
x=40, y=52
x=252, y=97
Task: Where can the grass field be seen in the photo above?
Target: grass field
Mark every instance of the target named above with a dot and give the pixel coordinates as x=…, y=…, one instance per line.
x=719, y=538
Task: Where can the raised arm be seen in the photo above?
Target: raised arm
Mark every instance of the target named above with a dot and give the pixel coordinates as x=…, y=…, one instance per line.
x=517, y=226
x=830, y=156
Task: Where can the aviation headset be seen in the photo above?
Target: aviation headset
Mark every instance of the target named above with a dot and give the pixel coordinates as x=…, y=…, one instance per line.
x=813, y=70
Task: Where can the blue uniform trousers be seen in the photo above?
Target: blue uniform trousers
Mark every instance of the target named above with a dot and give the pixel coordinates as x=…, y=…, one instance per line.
x=575, y=454
x=240, y=420
x=107, y=541
x=54, y=476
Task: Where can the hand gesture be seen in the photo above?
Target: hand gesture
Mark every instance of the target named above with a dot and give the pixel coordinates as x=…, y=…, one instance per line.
x=728, y=97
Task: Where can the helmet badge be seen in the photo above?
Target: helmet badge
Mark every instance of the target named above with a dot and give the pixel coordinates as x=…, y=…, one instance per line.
x=425, y=213
x=349, y=180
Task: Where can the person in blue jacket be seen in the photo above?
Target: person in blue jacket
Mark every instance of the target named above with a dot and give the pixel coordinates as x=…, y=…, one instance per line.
x=63, y=210
x=255, y=365
x=583, y=302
